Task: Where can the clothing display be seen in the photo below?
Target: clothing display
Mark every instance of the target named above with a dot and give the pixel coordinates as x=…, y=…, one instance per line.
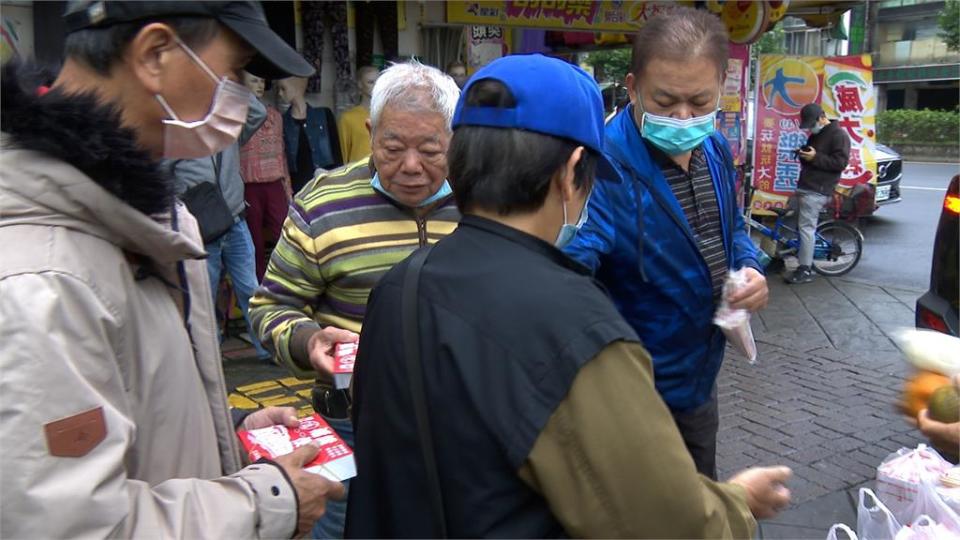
x=354, y=135
x=320, y=128
x=317, y=18
x=384, y=14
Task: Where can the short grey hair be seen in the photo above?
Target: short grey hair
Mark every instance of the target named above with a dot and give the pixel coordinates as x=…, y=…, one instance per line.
x=413, y=86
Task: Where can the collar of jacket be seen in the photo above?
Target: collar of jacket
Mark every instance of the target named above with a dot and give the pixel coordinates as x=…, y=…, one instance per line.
x=528, y=241
x=80, y=130
x=67, y=161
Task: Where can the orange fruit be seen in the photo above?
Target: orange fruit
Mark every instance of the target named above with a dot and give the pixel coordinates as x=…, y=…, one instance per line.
x=918, y=389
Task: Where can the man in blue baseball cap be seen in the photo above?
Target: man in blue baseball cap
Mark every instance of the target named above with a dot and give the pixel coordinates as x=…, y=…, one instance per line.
x=498, y=391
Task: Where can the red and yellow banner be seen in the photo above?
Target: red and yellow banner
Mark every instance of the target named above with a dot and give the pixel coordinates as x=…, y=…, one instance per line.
x=844, y=88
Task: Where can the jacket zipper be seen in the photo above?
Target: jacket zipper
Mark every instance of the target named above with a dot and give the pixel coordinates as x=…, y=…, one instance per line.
x=421, y=230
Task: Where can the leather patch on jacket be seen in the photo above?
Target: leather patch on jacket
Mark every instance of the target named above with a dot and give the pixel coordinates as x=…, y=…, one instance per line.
x=76, y=435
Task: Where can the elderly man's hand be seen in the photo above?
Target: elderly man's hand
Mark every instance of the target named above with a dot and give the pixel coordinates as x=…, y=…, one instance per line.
x=807, y=155
x=753, y=295
x=321, y=347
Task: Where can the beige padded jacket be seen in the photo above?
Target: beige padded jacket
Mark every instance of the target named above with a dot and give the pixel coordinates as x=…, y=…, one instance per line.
x=113, y=413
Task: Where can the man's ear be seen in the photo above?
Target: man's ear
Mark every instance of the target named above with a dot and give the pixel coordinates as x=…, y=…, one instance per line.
x=631, y=83
x=150, y=55
x=567, y=174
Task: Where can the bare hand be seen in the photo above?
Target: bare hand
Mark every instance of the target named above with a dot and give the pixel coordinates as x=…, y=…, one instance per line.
x=271, y=416
x=313, y=490
x=945, y=436
x=807, y=155
x=753, y=295
x=321, y=347
x=767, y=493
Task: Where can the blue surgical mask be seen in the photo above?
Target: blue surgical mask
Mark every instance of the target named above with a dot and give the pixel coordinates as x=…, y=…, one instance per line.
x=567, y=231
x=816, y=129
x=441, y=193
x=674, y=136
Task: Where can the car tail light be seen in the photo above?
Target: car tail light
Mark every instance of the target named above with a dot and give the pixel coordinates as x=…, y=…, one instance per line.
x=951, y=202
x=933, y=321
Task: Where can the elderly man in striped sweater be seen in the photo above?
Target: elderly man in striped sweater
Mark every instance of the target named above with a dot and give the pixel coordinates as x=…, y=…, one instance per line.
x=346, y=228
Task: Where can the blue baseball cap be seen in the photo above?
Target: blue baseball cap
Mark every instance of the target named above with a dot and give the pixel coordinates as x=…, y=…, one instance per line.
x=552, y=97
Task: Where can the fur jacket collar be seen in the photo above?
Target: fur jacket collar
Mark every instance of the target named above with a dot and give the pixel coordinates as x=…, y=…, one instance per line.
x=85, y=133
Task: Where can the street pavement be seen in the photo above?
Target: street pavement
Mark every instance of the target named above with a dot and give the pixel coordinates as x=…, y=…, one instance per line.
x=900, y=236
x=819, y=399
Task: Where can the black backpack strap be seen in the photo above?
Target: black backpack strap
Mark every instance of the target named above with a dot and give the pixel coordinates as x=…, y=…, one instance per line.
x=411, y=339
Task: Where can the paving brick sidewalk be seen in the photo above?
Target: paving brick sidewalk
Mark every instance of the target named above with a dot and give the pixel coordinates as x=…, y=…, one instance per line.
x=820, y=397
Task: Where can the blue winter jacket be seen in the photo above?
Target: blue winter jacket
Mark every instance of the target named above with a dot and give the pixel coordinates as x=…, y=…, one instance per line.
x=640, y=246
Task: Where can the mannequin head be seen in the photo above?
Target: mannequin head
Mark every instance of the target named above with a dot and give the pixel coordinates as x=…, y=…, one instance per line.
x=458, y=71
x=254, y=84
x=366, y=78
x=292, y=89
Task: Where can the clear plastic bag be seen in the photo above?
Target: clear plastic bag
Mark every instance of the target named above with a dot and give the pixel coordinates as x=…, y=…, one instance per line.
x=735, y=323
x=874, y=520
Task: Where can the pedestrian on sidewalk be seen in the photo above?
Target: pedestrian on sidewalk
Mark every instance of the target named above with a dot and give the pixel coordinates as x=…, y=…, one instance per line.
x=348, y=227
x=232, y=249
x=822, y=161
x=664, y=241
x=543, y=418
x=113, y=411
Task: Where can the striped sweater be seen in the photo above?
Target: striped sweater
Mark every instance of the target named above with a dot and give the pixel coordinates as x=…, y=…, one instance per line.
x=340, y=237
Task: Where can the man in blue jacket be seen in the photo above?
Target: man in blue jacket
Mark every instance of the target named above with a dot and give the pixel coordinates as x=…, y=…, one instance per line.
x=664, y=240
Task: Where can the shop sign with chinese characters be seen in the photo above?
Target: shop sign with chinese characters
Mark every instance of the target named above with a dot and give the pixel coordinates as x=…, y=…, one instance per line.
x=594, y=16
x=844, y=88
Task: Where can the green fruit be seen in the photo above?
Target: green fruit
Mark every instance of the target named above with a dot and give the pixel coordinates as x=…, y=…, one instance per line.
x=944, y=405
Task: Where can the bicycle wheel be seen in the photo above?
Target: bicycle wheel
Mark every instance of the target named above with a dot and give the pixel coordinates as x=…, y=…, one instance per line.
x=838, y=248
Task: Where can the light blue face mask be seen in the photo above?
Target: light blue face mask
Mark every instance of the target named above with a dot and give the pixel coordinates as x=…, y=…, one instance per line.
x=677, y=136
x=444, y=191
x=568, y=231
x=816, y=129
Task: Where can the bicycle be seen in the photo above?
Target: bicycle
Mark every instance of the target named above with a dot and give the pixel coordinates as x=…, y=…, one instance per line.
x=837, y=249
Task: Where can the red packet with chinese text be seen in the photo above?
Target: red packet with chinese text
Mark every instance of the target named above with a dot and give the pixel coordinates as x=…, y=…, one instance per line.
x=334, y=460
x=344, y=356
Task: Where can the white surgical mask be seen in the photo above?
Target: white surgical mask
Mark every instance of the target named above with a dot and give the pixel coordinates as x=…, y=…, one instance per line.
x=217, y=130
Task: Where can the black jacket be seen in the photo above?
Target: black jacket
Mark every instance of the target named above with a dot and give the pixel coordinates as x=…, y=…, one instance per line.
x=833, y=152
x=506, y=321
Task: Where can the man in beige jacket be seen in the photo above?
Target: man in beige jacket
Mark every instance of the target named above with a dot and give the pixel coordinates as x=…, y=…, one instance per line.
x=113, y=411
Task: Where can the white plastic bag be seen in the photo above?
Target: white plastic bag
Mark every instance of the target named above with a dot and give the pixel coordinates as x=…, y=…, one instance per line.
x=874, y=520
x=832, y=533
x=929, y=503
x=900, y=476
x=926, y=528
x=735, y=323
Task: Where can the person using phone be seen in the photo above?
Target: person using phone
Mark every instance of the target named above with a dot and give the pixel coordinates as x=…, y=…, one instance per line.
x=822, y=161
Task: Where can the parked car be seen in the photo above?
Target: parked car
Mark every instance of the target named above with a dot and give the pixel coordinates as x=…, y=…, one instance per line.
x=938, y=308
x=889, y=173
